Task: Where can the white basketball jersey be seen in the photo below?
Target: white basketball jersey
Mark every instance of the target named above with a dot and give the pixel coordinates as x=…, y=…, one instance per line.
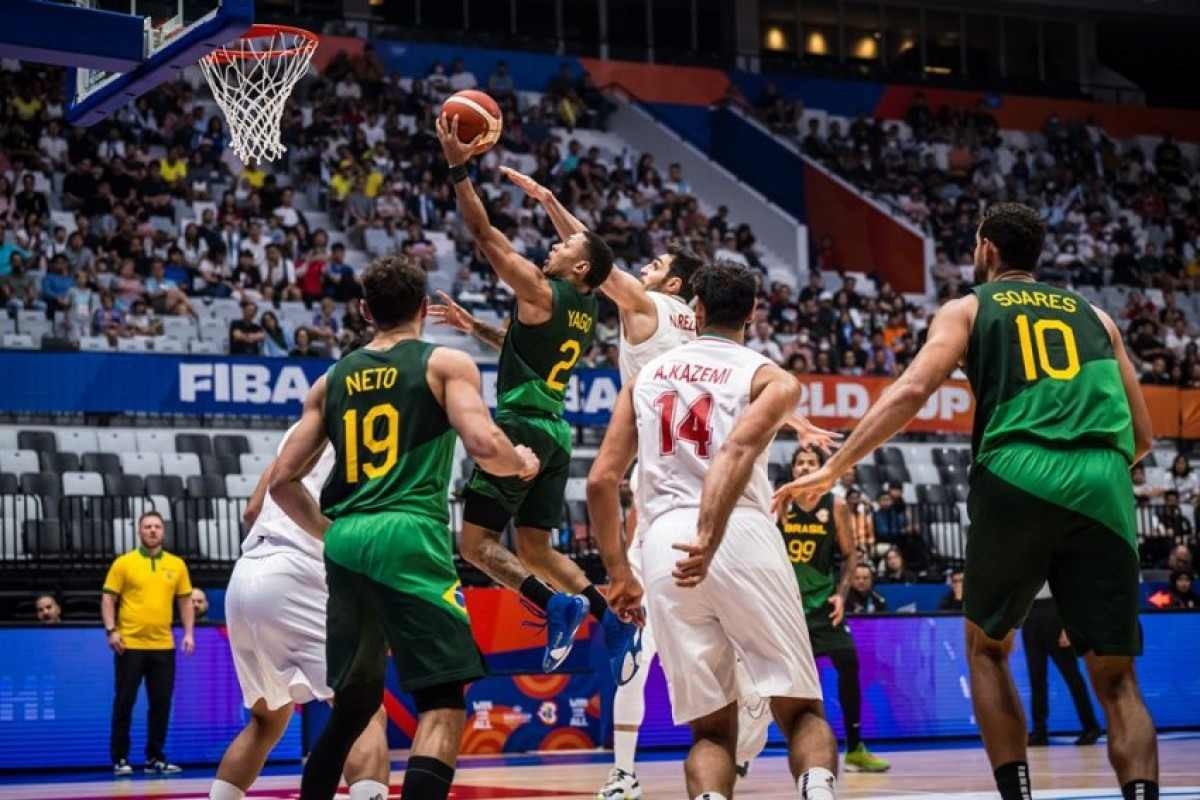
x=687, y=402
x=274, y=528
x=676, y=326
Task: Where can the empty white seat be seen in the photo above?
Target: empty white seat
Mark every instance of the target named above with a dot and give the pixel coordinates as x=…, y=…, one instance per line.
x=924, y=473
x=220, y=538
x=19, y=341
x=214, y=330
x=909, y=493
x=125, y=536
x=109, y=441
x=185, y=465
x=182, y=328
x=21, y=507
x=156, y=441
x=18, y=461
x=77, y=440
x=169, y=344
x=254, y=463
x=266, y=442
x=947, y=539
x=94, y=344
x=576, y=490
x=83, y=484
x=205, y=347
x=160, y=503
x=141, y=464
x=240, y=485
x=133, y=344
x=8, y=439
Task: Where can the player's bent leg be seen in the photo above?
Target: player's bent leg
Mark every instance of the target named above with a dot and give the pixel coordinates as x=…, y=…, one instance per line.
x=442, y=718
x=999, y=711
x=629, y=708
x=812, y=747
x=484, y=517
x=709, y=768
x=247, y=753
x=1132, y=743
x=368, y=767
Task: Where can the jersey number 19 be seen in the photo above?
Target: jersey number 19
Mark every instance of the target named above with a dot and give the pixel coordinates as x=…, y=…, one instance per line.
x=388, y=445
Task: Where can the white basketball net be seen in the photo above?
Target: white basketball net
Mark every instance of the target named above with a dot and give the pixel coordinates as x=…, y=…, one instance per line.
x=251, y=80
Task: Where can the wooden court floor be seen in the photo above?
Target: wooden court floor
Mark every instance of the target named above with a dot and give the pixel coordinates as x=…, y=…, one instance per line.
x=943, y=774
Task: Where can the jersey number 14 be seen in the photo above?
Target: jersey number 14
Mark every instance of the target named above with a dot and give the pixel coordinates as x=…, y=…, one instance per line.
x=692, y=428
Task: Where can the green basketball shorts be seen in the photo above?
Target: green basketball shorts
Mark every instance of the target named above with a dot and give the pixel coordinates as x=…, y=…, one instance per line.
x=392, y=584
x=537, y=503
x=1063, y=516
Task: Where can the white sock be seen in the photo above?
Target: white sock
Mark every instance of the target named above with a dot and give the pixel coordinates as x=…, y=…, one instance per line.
x=710, y=796
x=624, y=749
x=816, y=784
x=368, y=790
x=224, y=790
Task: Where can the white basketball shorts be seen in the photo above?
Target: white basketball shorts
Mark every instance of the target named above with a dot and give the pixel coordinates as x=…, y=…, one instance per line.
x=275, y=614
x=748, y=608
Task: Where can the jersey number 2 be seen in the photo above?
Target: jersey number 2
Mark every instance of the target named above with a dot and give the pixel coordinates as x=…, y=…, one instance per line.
x=573, y=351
x=692, y=428
x=388, y=445
x=1027, y=342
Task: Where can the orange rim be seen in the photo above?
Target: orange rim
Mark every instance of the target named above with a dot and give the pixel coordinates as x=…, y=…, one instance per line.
x=225, y=55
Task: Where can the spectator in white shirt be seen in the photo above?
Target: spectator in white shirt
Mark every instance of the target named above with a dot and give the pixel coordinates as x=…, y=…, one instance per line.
x=348, y=89
x=1178, y=337
x=762, y=343
x=256, y=244
x=53, y=145
x=460, y=77
x=729, y=252
x=1184, y=480
x=675, y=181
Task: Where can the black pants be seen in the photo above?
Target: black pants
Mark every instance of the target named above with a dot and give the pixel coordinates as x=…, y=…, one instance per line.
x=1040, y=637
x=158, y=668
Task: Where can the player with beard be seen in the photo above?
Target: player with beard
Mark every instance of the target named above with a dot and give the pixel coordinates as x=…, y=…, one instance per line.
x=1059, y=420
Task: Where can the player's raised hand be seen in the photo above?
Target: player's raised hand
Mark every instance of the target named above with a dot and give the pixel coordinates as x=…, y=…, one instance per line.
x=690, y=571
x=456, y=151
x=532, y=466
x=527, y=184
x=806, y=489
x=451, y=313
x=810, y=435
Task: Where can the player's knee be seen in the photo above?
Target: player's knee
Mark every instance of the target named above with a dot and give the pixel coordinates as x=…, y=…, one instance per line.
x=1112, y=677
x=980, y=645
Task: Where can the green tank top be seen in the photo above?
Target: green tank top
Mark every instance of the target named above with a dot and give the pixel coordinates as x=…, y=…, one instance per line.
x=811, y=539
x=1043, y=371
x=536, y=361
x=393, y=441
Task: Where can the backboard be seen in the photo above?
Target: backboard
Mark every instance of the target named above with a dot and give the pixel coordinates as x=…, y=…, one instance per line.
x=117, y=50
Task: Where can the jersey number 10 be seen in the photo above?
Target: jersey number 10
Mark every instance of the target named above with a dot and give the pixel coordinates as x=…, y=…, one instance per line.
x=1038, y=338
x=388, y=446
x=692, y=428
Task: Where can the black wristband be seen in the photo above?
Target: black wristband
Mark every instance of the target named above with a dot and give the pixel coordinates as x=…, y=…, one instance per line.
x=458, y=173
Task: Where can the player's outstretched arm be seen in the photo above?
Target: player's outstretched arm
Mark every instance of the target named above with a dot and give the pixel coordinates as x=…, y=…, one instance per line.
x=451, y=313
x=949, y=334
x=604, y=506
x=1143, y=432
x=527, y=281
x=565, y=223
x=454, y=379
x=294, y=461
x=774, y=394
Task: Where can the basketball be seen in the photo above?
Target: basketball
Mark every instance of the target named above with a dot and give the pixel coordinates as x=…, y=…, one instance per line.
x=477, y=114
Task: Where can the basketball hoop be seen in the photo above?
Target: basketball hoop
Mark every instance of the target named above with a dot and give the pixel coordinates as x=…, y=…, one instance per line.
x=252, y=78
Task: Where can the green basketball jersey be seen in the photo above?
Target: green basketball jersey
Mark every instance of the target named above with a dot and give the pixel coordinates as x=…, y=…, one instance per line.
x=393, y=442
x=536, y=361
x=1043, y=371
x=811, y=539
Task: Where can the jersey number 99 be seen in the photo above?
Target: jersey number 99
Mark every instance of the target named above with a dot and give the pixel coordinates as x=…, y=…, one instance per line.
x=387, y=445
x=801, y=551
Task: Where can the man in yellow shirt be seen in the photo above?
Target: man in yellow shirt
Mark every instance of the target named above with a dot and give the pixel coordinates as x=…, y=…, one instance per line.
x=146, y=582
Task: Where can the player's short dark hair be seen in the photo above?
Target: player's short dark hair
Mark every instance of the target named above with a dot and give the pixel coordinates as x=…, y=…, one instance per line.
x=394, y=288
x=599, y=258
x=808, y=448
x=684, y=263
x=1017, y=231
x=728, y=291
